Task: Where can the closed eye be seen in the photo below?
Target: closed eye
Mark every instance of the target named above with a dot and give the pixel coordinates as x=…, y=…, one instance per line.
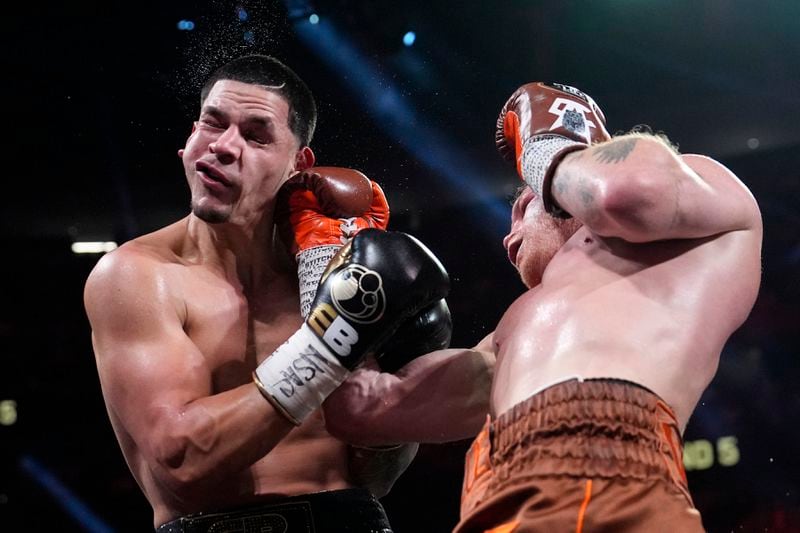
x=209, y=124
x=213, y=117
x=258, y=137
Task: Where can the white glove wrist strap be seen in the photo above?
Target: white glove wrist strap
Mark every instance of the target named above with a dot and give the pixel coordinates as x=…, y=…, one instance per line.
x=537, y=156
x=299, y=375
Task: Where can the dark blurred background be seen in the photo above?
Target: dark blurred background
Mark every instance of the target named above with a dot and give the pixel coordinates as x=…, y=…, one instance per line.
x=98, y=97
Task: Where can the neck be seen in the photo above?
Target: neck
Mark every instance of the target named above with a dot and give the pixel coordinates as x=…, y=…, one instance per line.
x=251, y=254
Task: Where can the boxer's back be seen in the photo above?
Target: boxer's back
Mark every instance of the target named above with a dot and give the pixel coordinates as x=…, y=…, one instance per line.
x=233, y=328
x=654, y=313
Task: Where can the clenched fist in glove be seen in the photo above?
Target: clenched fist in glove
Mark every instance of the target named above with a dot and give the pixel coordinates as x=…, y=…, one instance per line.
x=539, y=125
x=375, y=283
x=320, y=209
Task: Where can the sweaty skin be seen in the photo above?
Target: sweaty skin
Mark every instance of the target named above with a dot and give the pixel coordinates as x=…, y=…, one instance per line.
x=181, y=317
x=660, y=263
x=663, y=265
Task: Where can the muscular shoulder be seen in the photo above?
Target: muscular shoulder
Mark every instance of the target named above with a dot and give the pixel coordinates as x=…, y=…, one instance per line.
x=130, y=265
x=125, y=267
x=725, y=182
x=134, y=276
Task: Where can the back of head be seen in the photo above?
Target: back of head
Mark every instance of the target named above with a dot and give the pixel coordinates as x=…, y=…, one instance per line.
x=275, y=76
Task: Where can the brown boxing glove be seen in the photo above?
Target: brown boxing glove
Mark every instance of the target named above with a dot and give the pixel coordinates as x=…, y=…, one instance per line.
x=320, y=209
x=539, y=125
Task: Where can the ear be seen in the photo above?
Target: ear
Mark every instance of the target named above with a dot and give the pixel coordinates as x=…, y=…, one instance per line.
x=194, y=128
x=304, y=158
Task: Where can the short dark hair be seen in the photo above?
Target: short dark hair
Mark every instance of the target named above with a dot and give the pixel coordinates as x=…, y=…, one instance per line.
x=277, y=77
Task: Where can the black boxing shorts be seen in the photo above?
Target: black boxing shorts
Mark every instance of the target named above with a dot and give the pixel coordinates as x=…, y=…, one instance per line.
x=336, y=511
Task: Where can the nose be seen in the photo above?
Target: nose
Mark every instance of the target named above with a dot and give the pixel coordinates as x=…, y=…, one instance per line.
x=508, y=238
x=512, y=230
x=511, y=244
x=227, y=147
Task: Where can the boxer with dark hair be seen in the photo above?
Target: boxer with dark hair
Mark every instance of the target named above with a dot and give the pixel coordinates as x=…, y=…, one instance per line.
x=640, y=263
x=211, y=375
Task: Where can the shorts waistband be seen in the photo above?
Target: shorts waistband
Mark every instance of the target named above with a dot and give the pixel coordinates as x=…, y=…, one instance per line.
x=589, y=428
x=337, y=511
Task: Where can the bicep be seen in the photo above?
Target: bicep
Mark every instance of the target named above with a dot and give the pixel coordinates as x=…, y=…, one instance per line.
x=148, y=366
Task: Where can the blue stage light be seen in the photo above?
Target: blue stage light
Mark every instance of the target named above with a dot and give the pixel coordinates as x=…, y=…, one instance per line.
x=314, y=18
x=63, y=496
x=409, y=38
x=386, y=103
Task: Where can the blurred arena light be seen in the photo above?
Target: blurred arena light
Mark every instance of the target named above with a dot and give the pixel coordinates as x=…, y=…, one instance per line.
x=185, y=25
x=409, y=38
x=93, y=247
x=8, y=412
x=385, y=102
x=65, y=498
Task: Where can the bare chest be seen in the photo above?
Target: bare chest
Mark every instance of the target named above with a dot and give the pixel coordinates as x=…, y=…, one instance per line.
x=655, y=314
x=235, y=331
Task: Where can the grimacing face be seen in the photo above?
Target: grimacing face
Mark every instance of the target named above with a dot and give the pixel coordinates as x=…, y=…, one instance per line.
x=239, y=153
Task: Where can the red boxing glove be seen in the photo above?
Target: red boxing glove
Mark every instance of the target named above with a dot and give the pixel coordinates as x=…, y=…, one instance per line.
x=320, y=209
x=540, y=124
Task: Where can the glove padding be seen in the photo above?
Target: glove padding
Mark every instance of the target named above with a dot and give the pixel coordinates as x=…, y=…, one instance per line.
x=320, y=209
x=539, y=125
x=428, y=331
x=376, y=281
x=378, y=468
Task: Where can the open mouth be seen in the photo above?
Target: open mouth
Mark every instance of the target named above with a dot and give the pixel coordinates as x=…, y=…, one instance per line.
x=211, y=174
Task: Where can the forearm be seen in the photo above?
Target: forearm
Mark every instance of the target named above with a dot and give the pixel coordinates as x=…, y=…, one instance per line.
x=440, y=397
x=214, y=437
x=626, y=187
x=637, y=188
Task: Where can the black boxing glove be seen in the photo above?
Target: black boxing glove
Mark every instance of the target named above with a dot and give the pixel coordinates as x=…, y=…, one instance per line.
x=539, y=125
x=371, y=286
x=428, y=331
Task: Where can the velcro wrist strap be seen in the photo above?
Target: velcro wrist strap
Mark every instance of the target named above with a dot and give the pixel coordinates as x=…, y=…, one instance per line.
x=299, y=375
x=311, y=263
x=538, y=154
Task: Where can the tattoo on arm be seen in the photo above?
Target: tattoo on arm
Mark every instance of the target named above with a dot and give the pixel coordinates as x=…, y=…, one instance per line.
x=585, y=192
x=614, y=152
x=561, y=186
x=586, y=195
x=575, y=185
